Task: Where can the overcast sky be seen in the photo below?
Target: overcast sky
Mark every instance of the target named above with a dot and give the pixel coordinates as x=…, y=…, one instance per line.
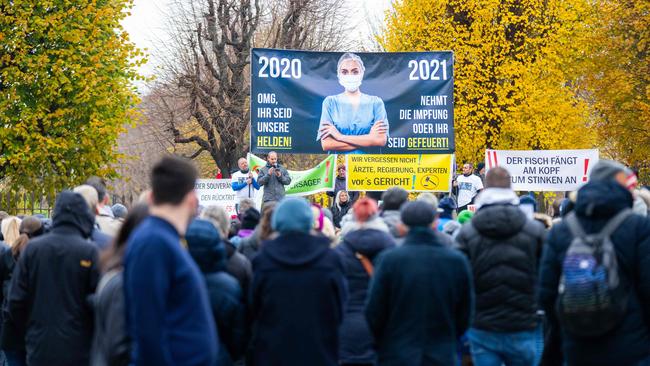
x=146, y=23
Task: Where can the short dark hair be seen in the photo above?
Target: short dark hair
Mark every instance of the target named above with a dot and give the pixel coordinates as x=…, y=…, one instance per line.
x=100, y=186
x=497, y=177
x=172, y=178
x=394, y=198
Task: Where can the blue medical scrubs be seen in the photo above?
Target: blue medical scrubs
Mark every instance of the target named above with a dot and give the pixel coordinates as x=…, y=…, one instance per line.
x=340, y=111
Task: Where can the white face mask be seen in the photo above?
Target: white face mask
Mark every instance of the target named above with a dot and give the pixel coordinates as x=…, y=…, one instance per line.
x=351, y=83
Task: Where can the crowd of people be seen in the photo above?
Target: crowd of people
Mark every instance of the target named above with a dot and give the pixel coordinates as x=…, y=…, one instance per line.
x=481, y=279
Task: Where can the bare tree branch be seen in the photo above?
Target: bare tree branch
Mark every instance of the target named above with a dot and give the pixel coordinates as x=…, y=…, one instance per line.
x=202, y=95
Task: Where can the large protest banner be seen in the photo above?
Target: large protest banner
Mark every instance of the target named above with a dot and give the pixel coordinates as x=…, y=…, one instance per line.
x=305, y=182
x=412, y=172
x=216, y=192
x=379, y=103
x=544, y=170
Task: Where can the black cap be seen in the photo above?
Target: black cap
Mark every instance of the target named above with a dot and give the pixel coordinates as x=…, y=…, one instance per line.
x=417, y=213
x=250, y=218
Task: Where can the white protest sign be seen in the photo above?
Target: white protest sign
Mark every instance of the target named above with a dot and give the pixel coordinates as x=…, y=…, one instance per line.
x=217, y=192
x=544, y=170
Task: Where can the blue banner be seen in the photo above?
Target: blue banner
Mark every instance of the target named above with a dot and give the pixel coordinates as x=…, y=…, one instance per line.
x=342, y=102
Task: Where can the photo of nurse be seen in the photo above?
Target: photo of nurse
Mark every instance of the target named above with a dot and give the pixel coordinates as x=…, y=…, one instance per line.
x=352, y=120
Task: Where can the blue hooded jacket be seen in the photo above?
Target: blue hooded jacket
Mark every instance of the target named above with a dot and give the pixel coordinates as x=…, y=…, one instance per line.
x=226, y=298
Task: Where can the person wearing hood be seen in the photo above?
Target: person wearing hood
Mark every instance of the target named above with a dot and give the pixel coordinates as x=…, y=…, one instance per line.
x=359, y=249
x=298, y=293
x=420, y=298
x=598, y=201
x=504, y=248
x=53, y=278
x=237, y=265
x=340, y=207
x=226, y=298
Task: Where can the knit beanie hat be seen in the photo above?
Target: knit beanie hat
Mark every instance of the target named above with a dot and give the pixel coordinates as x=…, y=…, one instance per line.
x=364, y=209
x=292, y=214
x=528, y=200
x=202, y=233
x=417, y=213
x=447, y=204
x=430, y=199
x=394, y=198
x=464, y=216
x=605, y=170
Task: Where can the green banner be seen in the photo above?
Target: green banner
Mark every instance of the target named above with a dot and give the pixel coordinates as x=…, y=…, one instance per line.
x=305, y=182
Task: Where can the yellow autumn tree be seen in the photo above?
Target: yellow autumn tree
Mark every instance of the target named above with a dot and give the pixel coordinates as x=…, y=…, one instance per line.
x=513, y=72
x=617, y=79
x=66, y=69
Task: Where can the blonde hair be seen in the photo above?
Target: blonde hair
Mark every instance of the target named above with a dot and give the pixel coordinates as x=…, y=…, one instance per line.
x=89, y=193
x=11, y=229
x=218, y=217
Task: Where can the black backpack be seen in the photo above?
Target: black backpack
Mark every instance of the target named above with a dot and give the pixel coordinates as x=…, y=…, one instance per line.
x=592, y=300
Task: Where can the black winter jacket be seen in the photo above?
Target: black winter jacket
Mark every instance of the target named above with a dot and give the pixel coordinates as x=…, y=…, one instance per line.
x=356, y=342
x=420, y=302
x=338, y=213
x=7, y=263
x=298, y=296
x=238, y=266
x=226, y=299
x=111, y=342
x=630, y=341
x=48, y=299
x=504, y=249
